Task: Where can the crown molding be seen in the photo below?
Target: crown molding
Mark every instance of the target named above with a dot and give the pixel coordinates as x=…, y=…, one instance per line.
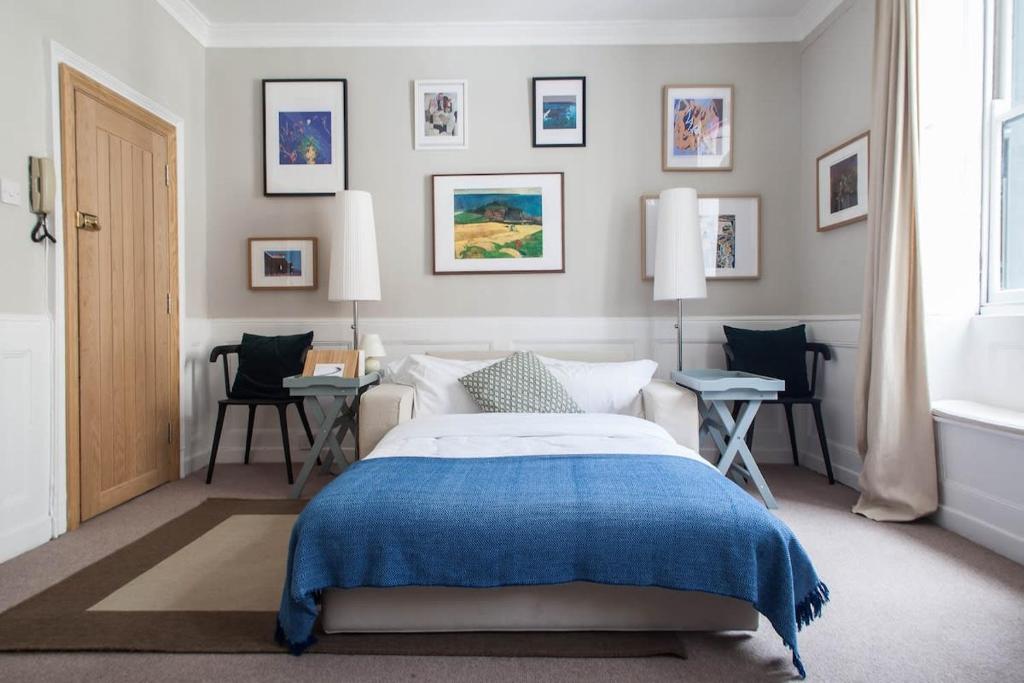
x=506, y=33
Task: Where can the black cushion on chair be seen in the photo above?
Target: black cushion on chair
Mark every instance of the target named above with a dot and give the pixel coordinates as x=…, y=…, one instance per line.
x=773, y=353
x=263, y=362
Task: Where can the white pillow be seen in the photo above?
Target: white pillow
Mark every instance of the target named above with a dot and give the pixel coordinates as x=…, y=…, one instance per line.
x=436, y=381
x=604, y=387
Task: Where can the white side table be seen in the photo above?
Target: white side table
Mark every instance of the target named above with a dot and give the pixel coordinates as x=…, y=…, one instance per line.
x=714, y=388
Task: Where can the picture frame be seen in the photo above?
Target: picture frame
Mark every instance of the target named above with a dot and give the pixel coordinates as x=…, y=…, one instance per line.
x=489, y=223
x=282, y=263
x=441, y=114
x=305, y=137
x=841, y=188
x=559, y=111
x=741, y=247
x=697, y=132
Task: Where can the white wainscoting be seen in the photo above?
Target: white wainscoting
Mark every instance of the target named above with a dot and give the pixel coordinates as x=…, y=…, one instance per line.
x=25, y=424
x=980, y=470
x=618, y=337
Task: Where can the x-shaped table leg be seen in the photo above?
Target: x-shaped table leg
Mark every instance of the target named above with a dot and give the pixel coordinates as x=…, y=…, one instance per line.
x=327, y=422
x=733, y=442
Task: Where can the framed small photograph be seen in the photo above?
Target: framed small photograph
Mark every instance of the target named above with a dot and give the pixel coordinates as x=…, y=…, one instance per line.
x=560, y=111
x=305, y=137
x=697, y=130
x=441, y=114
x=499, y=223
x=282, y=262
x=730, y=231
x=843, y=184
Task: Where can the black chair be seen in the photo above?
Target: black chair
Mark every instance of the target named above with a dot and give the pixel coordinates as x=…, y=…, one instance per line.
x=222, y=352
x=787, y=402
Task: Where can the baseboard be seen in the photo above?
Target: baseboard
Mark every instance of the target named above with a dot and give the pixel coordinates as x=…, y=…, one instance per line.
x=981, y=532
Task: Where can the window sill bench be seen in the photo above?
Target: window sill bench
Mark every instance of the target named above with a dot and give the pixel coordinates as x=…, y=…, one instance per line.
x=980, y=416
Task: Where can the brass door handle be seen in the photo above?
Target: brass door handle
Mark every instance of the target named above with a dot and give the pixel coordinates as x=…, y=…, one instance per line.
x=86, y=221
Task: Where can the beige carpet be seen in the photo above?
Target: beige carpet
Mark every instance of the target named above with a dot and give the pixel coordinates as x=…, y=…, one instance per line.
x=910, y=603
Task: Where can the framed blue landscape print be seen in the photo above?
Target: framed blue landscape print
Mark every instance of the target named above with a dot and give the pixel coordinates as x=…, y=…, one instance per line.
x=697, y=133
x=560, y=111
x=499, y=223
x=305, y=137
x=282, y=262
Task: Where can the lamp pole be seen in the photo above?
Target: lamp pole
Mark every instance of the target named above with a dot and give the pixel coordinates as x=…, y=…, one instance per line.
x=679, y=335
x=355, y=324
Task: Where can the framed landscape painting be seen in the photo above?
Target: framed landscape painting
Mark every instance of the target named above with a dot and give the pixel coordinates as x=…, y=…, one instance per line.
x=499, y=223
x=560, y=111
x=282, y=262
x=697, y=132
x=305, y=137
x=441, y=118
x=730, y=235
x=843, y=184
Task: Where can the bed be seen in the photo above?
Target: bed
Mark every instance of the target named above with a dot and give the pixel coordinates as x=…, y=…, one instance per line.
x=490, y=522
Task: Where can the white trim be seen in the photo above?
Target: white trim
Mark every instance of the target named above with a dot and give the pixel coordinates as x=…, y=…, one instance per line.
x=499, y=33
x=1001, y=421
x=61, y=55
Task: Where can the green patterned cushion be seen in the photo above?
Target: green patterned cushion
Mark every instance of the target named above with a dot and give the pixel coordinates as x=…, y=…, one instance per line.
x=518, y=384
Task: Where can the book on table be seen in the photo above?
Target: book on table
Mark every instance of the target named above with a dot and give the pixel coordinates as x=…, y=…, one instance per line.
x=334, y=363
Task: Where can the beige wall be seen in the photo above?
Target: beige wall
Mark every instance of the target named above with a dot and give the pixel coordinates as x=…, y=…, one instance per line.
x=137, y=43
x=603, y=182
x=835, y=95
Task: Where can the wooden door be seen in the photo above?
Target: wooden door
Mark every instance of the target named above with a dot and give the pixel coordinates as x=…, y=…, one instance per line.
x=121, y=255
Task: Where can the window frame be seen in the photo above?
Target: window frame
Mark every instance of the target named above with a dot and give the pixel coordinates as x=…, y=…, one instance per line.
x=997, y=111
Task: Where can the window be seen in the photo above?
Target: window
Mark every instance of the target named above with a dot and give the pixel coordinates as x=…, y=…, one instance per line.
x=1005, y=132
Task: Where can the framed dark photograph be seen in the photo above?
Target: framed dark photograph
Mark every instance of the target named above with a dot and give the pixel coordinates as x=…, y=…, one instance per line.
x=560, y=111
x=842, y=188
x=499, y=223
x=305, y=137
x=282, y=263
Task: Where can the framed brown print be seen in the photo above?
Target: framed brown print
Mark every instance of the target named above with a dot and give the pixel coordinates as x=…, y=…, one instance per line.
x=730, y=235
x=697, y=132
x=278, y=263
x=842, y=184
x=499, y=223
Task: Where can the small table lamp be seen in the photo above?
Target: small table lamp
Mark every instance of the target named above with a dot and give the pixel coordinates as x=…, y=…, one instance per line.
x=354, y=273
x=679, y=256
x=374, y=350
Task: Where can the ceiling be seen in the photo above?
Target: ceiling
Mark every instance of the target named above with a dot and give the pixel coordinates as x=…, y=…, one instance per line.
x=275, y=11
x=319, y=23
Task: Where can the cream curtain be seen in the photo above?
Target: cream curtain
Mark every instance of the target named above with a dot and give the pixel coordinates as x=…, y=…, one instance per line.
x=894, y=426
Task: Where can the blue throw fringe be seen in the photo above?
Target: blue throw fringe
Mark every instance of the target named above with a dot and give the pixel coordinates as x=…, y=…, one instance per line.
x=807, y=610
x=295, y=648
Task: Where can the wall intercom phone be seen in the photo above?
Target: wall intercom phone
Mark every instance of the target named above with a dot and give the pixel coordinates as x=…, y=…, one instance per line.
x=42, y=186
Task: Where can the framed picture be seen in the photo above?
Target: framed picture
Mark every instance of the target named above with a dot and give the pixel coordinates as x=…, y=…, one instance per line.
x=305, y=137
x=282, y=263
x=730, y=230
x=560, y=111
x=697, y=130
x=441, y=114
x=499, y=223
x=843, y=184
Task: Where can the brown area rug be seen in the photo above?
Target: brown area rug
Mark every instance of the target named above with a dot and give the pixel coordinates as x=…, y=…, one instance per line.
x=104, y=608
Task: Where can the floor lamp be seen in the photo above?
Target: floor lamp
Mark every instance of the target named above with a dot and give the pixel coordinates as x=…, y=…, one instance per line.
x=355, y=275
x=679, y=255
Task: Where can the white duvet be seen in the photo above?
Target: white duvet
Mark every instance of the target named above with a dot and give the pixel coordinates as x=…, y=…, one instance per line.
x=483, y=435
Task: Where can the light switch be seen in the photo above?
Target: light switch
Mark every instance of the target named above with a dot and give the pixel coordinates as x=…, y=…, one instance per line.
x=10, y=191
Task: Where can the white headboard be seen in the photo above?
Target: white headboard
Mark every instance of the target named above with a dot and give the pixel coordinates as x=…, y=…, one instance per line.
x=583, y=356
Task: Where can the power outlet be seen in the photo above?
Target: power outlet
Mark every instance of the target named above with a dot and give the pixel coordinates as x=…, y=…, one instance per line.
x=10, y=191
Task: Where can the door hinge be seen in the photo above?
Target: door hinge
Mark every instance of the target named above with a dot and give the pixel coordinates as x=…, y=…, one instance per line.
x=167, y=175
x=168, y=432
x=168, y=303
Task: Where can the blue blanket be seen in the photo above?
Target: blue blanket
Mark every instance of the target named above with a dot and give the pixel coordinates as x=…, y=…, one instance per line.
x=639, y=520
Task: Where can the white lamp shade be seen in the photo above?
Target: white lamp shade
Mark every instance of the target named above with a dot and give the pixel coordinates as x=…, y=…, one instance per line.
x=372, y=346
x=679, y=259
x=355, y=274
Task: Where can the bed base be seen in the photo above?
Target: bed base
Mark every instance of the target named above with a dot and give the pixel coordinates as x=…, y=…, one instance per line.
x=577, y=606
